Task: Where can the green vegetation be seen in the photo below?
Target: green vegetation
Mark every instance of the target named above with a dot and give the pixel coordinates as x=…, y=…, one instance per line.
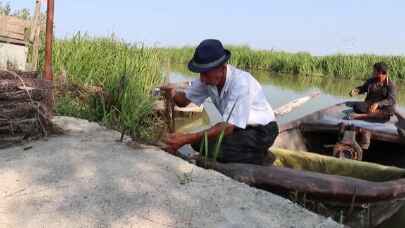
x=211, y=150
x=127, y=73
x=340, y=66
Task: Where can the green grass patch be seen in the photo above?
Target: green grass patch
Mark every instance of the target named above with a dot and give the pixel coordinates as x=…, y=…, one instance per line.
x=127, y=72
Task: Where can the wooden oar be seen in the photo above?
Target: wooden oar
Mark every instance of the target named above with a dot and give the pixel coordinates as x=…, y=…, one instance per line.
x=284, y=109
x=400, y=124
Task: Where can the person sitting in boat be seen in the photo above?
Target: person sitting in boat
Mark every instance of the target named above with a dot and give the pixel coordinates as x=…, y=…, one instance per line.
x=248, y=120
x=381, y=96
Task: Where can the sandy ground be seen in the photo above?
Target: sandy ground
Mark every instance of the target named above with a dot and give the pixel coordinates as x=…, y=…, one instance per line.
x=87, y=179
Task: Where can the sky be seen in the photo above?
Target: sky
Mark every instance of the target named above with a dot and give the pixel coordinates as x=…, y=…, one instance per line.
x=320, y=27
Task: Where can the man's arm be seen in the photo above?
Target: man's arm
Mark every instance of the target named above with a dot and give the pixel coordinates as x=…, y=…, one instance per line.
x=212, y=132
x=360, y=89
x=391, y=97
x=177, y=140
x=364, y=88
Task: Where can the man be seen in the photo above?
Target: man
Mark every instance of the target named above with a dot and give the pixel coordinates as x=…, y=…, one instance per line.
x=248, y=119
x=381, y=96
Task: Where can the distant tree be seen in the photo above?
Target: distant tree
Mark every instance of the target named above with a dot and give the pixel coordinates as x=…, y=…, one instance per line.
x=23, y=14
x=5, y=10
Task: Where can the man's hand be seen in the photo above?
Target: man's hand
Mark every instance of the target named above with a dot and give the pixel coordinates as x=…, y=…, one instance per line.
x=175, y=141
x=169, y=89
x=354, y=92
x=179, y=97
x=373, y=108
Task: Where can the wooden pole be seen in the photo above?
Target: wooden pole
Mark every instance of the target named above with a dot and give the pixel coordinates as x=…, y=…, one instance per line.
x=48, y=41
x=35, y=34
x=284, y=109
x=169, y=108
x=35, y=19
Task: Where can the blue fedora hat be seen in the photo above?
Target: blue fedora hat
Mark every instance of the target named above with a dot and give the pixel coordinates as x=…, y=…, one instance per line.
x=208, y=55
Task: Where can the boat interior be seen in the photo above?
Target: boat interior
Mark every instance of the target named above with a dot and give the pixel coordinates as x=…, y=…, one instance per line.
x=321, y=142
x=318, y=133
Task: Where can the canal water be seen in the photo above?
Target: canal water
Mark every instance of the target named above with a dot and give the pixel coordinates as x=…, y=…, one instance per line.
x=279, y=90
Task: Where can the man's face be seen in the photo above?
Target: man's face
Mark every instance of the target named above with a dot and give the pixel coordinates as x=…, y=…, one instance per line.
x=380, y=75
x=214, y=77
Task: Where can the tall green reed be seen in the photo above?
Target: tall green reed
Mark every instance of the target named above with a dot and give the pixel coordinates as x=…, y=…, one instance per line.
x=204, y=145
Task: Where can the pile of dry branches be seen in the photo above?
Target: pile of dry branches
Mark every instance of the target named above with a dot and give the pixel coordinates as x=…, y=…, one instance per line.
x=25, y=107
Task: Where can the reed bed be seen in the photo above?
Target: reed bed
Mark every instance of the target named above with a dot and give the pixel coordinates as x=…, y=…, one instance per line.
x=302, y=63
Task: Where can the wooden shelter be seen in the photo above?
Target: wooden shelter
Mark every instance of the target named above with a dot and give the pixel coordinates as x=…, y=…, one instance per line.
x=13, y=50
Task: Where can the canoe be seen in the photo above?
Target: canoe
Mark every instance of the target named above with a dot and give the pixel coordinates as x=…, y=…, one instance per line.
x=355, y=193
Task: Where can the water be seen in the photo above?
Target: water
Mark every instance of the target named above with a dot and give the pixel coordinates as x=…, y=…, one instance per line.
x=279, y=90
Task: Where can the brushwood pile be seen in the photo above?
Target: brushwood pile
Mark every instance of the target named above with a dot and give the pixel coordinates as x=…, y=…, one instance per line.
x=25, y=107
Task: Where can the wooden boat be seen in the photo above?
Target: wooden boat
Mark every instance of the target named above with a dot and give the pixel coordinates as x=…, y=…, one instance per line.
x=372, y=188
x=356, y=193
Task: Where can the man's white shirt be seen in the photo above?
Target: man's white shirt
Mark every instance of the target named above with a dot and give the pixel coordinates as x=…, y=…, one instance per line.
x=241, y=90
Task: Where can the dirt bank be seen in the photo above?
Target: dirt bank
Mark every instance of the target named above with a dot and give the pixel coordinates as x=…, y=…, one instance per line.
x=87, y=179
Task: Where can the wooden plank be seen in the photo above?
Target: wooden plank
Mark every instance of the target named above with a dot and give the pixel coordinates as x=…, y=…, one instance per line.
x=13, y=21
x=13, y=36
x=286, y=108
x=18, y=28
x=12, y=27
x=375, y=135
x=12, y=41
x=3, y=25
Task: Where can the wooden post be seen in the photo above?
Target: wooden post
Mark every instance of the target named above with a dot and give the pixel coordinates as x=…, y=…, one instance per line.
x=48, y=41
x=169, y=108
x=35, y=34
x=35, y=19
